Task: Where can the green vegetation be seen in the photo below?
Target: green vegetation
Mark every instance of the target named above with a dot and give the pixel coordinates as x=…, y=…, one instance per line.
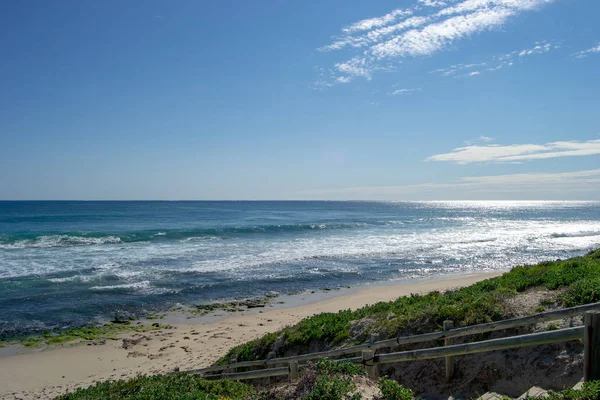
x=98, y=332
x=333, y=388
x=327, y=380
x=392, y=390
x=164, y=387
x=578, y=278
x=589, y=391
x=330, y=367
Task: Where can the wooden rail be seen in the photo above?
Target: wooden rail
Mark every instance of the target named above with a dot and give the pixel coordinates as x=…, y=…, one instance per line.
x=533, y=339
x=404, y=340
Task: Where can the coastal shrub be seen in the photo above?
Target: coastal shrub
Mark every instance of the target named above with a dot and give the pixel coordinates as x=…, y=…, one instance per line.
x=333, y=388
x=589, y=391
x=481, y=302
x=582, y=292
x=163, y=387
x=330, y=367
x=256, y=348
x=392, y=390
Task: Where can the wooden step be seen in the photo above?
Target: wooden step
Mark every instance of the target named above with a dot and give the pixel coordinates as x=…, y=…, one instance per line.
x=492, y=396
x=533, y=392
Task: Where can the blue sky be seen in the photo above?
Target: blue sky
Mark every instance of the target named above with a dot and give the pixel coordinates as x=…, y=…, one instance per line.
x=386, y=100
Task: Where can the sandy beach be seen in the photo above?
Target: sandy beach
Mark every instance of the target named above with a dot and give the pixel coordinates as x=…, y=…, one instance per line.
x=51, y=371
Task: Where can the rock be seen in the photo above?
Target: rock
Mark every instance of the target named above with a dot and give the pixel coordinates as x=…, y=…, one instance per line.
x=122, y=317
x=128, y=343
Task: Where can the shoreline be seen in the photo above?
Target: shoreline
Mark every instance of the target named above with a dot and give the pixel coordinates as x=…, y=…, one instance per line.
x=305, y=298
x=188, y=343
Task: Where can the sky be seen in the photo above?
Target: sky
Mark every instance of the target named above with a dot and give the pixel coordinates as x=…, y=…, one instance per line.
x=274, y=99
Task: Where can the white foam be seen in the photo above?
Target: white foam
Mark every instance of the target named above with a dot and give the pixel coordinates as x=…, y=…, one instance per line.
x=63, y=280
x=483, y=243
x=59, y=241
x=136, y=285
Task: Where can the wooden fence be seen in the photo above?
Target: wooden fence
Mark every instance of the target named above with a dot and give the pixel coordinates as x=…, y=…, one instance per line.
x=590, y=333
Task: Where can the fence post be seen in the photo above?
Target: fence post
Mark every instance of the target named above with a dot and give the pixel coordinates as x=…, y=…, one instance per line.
x=448, y=325
x=591, y=342
x=367, y=360
x=233, y=360
x=293, y=368
x=374, y=338
x=270, y=356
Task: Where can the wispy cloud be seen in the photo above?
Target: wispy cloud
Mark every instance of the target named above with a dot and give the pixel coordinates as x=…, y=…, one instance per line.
x=398, y=92
x=433, y=3
x=585, y=53
x=559, y=185
x=422, y=30
x=518, y=152
x=498, y=62
x=480, y=139
x=453, y=69
x=371, y=23
x=540, y=48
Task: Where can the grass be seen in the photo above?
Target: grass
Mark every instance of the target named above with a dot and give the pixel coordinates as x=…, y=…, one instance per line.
x=95, y=332
x=578, y=278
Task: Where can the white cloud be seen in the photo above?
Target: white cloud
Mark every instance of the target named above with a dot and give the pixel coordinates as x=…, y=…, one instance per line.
x=436, y=36
x=497, y=62
x=457, y=68
x=404, y=91
x=480, y=139
x=432, y=3
x=538, y=185
x=371, y=23
x=538, y=49
x=429, y=26
x=518, y=152
x=585, y=53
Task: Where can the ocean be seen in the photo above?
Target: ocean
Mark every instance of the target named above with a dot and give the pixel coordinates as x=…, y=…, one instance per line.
x=70, y=263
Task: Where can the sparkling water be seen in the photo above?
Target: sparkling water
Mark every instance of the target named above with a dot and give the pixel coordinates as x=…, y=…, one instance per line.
x=69, y=263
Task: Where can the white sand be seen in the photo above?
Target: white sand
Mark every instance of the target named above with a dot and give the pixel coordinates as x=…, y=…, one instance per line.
x=56, y=370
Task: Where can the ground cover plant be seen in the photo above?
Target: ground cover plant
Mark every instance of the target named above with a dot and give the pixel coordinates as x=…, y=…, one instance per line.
x=164, y=387
x=589, y=391
x=392, y=390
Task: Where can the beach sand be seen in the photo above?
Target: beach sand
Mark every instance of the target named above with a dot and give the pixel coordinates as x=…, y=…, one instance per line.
x=52, y=371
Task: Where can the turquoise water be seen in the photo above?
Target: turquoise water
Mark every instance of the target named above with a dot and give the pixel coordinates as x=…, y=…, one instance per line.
x=70, y=263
